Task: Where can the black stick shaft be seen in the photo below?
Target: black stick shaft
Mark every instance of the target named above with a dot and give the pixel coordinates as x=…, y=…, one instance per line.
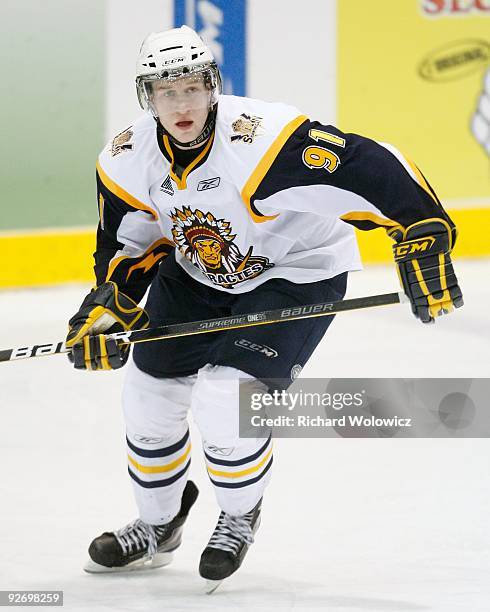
x=265, y=317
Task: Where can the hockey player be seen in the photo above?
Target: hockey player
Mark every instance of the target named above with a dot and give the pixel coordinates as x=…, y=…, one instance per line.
x=223, y=205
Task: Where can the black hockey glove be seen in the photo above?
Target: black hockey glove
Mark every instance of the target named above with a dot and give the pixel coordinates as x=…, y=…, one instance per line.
x=104, y=309
x=422, y=254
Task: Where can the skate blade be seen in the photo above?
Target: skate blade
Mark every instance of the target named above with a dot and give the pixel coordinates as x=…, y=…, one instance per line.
x=211, y=586
x=158, y=560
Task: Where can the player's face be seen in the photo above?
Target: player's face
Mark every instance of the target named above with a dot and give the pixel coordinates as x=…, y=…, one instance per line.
x=182, y=106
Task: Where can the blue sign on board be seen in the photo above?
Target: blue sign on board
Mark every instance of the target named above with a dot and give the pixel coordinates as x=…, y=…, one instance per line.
x=221, y=24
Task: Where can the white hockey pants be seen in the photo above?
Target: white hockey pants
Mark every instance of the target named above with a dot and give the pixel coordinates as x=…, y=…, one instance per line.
x=159, y=446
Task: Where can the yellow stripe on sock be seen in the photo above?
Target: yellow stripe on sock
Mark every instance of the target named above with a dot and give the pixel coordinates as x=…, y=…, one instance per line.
x=250, y=470
x=158, y=469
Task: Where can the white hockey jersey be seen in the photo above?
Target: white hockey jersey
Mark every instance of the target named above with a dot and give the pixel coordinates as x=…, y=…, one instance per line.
x=271, y=195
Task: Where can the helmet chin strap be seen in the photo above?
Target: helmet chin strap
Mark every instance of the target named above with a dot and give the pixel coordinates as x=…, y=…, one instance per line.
x=206, y=132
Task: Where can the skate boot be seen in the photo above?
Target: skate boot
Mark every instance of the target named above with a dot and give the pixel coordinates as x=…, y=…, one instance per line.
x=228, y=546
x=139, y=545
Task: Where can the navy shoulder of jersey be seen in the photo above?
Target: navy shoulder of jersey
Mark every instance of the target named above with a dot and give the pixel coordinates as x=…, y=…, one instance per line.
x=370, y=184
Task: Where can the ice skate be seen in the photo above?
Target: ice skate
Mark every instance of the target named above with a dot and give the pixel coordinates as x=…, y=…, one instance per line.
x=140, y=546
x=228, y=546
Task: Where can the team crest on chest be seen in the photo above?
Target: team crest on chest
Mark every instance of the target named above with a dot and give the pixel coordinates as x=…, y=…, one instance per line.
x=209, y=244
x=246, y=128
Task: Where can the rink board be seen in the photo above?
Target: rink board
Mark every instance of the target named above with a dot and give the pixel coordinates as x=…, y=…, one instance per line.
x=54, y=257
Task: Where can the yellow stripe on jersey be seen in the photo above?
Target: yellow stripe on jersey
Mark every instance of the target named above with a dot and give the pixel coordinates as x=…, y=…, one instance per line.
x=420, y=179
x=182, y=182
x=369, y=216
x=113, y=265
x=101, y=210
x=263, y=167
x=146, y=264
x=122, y=194
x=158, y=469
x=241, y=473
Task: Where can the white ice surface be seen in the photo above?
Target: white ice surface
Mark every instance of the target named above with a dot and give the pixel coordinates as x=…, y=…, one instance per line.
x=348, y=524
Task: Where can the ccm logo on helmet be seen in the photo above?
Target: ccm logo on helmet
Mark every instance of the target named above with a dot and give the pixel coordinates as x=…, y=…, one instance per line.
x=175, y=60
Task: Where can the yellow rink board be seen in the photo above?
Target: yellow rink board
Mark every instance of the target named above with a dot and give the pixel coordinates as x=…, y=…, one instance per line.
x=53, y=258
x=47, y=258
x=473, y=237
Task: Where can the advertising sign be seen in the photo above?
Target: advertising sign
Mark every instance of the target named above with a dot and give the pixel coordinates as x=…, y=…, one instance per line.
x=416, y=73
x=222, y=25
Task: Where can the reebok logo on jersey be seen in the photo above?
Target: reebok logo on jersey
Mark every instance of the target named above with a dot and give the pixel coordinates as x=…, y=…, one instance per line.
x=211, y=183
x=209, y=244
x=167, y=187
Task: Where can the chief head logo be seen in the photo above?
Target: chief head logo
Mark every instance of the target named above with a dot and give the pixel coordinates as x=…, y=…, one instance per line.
x=209, y=244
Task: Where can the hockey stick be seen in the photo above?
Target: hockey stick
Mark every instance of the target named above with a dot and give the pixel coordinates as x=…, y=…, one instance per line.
x=266, y=317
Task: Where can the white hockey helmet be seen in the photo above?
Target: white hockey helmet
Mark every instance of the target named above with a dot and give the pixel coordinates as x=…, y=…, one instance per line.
x=173, y=54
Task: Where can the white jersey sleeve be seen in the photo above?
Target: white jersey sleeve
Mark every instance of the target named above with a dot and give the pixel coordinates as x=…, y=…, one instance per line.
x=130, y=242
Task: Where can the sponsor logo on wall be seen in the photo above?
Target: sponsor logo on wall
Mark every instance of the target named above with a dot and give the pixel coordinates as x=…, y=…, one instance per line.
x=455, y=60
x=442, y=80
x=454, y=8
x=221, y=24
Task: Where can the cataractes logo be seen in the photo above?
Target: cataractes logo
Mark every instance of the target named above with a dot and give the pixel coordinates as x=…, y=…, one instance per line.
x=209, y=244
